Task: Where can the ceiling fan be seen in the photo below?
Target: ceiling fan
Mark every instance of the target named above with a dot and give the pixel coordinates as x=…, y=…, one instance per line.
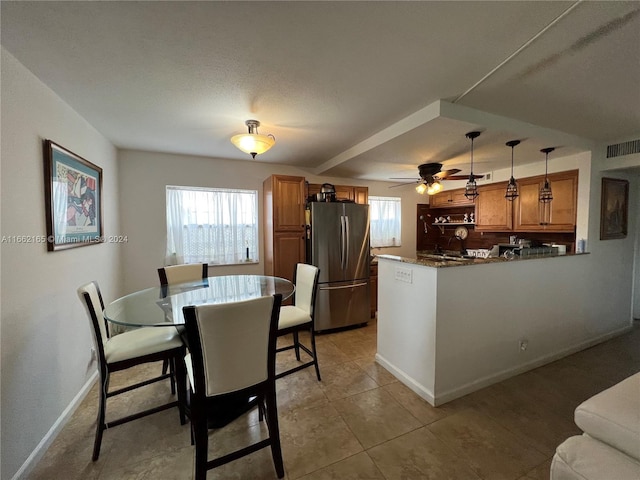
x=430, y=176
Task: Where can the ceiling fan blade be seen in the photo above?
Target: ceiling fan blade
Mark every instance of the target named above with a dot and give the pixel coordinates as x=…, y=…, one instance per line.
x=402, y=184
x=462, y=177
x=405, y=178
x=444, y=174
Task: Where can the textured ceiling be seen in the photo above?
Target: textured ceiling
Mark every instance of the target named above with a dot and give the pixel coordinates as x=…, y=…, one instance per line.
x=326, y=78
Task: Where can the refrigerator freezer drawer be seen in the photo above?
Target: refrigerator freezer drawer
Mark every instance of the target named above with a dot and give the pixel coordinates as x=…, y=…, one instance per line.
x=342, y=304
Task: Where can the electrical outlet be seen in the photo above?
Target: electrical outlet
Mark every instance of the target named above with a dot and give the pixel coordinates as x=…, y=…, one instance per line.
x=523, y=344
x=404, y=275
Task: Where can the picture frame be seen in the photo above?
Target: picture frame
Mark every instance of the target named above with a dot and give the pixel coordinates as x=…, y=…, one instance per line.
x=73, y=199
x=614, y=208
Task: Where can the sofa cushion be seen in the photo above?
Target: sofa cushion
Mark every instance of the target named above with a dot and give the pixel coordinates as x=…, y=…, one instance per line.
x=613, y=416
x=584, y=458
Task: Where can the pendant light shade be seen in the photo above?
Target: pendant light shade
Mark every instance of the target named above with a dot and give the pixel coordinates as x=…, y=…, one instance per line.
x=545, y=191
x=471, y=189
x=253, y=143
x=512, y=187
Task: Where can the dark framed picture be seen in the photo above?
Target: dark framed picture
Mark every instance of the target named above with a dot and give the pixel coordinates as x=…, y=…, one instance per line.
x=73, y=199
x=614, y=208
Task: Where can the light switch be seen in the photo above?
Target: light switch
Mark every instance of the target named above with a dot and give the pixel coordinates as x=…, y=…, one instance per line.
x=404, y=274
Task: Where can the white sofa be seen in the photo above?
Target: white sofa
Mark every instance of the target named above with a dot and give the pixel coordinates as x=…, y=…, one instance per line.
x=609, y=448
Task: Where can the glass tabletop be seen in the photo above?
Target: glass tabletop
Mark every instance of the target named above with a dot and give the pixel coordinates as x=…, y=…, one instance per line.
x=162, y=305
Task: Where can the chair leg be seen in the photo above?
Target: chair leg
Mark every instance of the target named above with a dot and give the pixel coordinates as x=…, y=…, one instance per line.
x=181, y=381
x=172, y=369
x=315, y=353
x=100, y=425
x=274, y=431
x=201, y=438
x=296, y=343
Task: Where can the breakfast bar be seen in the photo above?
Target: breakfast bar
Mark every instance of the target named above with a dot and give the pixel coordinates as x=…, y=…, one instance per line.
x=448, y=326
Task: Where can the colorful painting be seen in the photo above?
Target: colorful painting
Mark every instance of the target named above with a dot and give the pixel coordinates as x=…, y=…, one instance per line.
x=614, y=208
x=73, y=189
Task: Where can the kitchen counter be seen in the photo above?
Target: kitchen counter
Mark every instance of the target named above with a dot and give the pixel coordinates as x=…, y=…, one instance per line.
x=455, y=260
x=446, y=332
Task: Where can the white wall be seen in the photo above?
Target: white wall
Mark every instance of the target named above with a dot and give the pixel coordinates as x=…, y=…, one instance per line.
x=144, y=176
x=45, y=336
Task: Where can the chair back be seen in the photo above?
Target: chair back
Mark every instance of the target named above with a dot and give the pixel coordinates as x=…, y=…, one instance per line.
x=232, y=345
x=92, y=300
x=306, y=281
x=188, y=272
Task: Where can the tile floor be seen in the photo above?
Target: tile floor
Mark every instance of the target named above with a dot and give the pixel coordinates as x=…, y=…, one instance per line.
x=358, y=423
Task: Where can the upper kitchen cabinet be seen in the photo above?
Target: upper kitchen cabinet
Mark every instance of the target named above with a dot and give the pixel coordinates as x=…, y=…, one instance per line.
x=345, y=192
x=527, y=210
x=450, y=198
x=284, y=202
x=284, y=225
x=494, y=213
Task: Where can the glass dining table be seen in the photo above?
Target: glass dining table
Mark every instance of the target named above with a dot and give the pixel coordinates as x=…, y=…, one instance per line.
x=162, y=307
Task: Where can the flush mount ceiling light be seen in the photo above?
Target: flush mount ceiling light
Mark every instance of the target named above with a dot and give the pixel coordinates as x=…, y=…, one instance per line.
x=471, y=190
x=545, y=195
x=512, y=187
x=253, y=143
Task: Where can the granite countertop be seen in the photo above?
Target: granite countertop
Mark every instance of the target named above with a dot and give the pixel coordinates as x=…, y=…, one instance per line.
x=424, y=259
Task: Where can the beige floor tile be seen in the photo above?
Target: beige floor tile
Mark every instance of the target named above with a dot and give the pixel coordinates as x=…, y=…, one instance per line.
x=315, y=438
x=300, y=390
x=344, y=380
x=417, y=406
x=375, y=417
x=491, y=450
x=419, y=455
x=358, y=467
x=376, y=371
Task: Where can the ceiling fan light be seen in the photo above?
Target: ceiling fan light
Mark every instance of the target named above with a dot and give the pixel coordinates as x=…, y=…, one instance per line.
x=421, y=188
x=253, y=143
x=434, y=188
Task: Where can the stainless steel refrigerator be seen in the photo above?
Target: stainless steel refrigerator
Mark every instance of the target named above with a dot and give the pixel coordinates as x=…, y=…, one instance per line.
x=338, y=244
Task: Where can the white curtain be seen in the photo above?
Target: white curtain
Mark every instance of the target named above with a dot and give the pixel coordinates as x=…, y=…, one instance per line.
x=215, y=226
x=385, y=221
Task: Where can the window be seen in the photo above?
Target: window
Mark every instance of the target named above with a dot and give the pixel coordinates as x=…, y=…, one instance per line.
x=385, y=221
x=211, y=225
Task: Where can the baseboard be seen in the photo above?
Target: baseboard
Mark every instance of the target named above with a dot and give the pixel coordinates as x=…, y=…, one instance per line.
x=55, y=429
x=417, y=387
x=460, y=391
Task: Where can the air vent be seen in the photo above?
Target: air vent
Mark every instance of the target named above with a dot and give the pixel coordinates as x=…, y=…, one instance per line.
x=624, y=148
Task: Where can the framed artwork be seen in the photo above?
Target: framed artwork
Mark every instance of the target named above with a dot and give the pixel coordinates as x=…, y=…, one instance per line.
x=614, y=208
x=73, y=199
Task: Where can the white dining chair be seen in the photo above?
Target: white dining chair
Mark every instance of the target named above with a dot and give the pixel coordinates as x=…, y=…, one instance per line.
x=232, y=355
x=126, y=350
x=300, y=317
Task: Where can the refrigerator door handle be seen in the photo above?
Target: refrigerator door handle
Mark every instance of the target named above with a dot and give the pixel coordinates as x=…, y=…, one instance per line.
x=344, y=286
x=348, y=245
x=342, y=242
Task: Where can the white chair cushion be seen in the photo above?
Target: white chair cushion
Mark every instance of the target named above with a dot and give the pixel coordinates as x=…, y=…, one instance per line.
x=584, y=458
x=291, y=316
x=613, y=416
x=140, y=342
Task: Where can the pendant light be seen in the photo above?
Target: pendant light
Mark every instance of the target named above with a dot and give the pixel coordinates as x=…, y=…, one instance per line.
x=471, y=190
x=512, y=187
x=545, y=192
x=545, y=196
x=253, y=143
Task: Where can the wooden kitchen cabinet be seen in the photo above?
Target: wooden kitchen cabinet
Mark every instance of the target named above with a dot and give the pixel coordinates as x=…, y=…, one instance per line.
x=450, y=198
x=284, y=224
x=527, y=211
x=494, y=213
x=345, y=192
